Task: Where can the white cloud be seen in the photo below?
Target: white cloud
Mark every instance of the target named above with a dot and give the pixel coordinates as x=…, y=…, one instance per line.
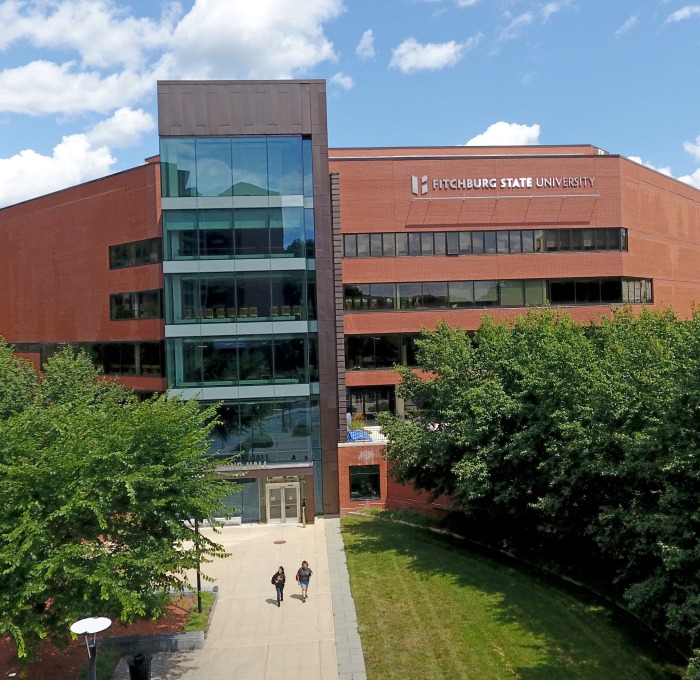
x=507, y=134
x=365, y=48
x=693, y=180
x=693, y=149
x=42, y=87
x=551, y=8
x=101, y=33
x=515, y=27
x=29, y=174
x=77, y=158
x=663, y=170
x=343, y=81
x=682, y=14
x=264, y=39
x=124, y=129
x=627, y=26
x=466, y=3
x=410, y=56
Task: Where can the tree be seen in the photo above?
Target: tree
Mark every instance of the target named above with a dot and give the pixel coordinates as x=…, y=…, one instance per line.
x=17, y=381
x=577, y=444
x=96, y=490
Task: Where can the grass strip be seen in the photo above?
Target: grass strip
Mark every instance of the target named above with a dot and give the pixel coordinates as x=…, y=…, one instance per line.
x=431, y=607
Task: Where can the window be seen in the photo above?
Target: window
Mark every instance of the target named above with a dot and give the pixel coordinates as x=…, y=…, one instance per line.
x=363, y=245
x=364, y=482
x=461, y=294
x=389, y=245
x=489, y=242
x=440, y=248
x=562, y=292
x=252, y=232
x=486, y=293
x=414, y=244
x=402, y=245
x=435, y=295
x=465, y=243
x=375, y=245
x=453, y=243
x=350, y=245
x=287, y=232
x=502, y=241
x=539, y=241
x=614, y=239
x=512, y=294
x=426, y=244
x=383, y=295
x=410, y=295
x=515, y=242
x=135, y=254
x=577, y=239
x=565, y=239
x=145, y=304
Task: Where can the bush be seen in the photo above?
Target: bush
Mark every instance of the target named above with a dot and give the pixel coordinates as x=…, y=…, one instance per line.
x=693, y=670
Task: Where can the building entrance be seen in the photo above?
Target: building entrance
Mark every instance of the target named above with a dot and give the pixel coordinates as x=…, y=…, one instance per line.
x=282, y=502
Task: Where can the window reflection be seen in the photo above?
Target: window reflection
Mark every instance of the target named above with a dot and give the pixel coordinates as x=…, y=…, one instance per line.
x=270, y=431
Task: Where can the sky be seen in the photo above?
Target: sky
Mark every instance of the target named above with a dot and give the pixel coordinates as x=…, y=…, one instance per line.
x=78, y=77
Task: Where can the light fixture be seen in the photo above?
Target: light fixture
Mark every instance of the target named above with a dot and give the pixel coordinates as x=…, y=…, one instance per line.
x=91, y=626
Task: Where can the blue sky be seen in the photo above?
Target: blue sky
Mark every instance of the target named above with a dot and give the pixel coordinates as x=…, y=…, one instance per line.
x=78, y=77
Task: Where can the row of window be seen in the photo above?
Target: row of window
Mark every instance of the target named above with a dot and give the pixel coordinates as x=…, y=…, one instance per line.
x=238, y=233
x=135, y=253
x=513, y=293
x=111, y=358
x=238, y=166
x=241, y=296
x=141, y=304
x=243, y=360
x=414, y=244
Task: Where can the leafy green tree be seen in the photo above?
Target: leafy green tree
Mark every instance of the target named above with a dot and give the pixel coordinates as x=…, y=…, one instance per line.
x=575, y=443
x=96, y=490
x=17, y=381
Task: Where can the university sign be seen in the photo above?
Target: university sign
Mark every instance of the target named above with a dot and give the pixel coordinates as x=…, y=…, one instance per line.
x=419, y=185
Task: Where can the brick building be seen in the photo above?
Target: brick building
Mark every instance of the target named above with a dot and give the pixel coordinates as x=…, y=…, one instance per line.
x=249, y=265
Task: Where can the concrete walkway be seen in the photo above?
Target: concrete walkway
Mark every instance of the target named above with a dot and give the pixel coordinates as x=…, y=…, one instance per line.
x=250, y=638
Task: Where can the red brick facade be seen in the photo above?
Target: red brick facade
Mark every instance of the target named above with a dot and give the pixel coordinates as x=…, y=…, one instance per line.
x=57, y=263
x=416, y=189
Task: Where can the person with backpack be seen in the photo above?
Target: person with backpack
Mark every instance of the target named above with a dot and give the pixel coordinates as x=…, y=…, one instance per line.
x=278, y=579
x=303, y=576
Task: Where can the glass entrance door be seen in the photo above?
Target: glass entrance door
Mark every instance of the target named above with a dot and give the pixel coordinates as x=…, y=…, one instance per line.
x=282, y=502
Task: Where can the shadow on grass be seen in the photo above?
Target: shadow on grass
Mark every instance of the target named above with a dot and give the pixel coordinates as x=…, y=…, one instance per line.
x=573, y=634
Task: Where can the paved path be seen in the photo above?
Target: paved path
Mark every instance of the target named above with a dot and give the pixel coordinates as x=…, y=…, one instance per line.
x=250, y=638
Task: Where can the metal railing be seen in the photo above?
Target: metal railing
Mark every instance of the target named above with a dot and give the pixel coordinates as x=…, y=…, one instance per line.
x=369, y=433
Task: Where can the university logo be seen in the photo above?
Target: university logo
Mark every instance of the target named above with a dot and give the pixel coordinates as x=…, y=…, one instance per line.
x=423, y=185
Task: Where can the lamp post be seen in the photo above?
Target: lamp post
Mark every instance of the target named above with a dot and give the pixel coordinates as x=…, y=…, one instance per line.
x=199, y=567
x=91, y=626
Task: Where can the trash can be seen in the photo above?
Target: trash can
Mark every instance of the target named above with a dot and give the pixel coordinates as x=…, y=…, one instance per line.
x=140, y=667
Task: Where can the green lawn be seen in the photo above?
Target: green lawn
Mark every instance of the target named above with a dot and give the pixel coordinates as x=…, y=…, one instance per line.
x=431, y=608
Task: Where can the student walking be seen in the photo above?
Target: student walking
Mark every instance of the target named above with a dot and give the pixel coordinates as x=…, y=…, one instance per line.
x=278, y=579
x=303, y=576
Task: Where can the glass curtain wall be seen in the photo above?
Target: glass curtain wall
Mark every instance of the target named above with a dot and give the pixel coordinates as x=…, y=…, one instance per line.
x=251, y=204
